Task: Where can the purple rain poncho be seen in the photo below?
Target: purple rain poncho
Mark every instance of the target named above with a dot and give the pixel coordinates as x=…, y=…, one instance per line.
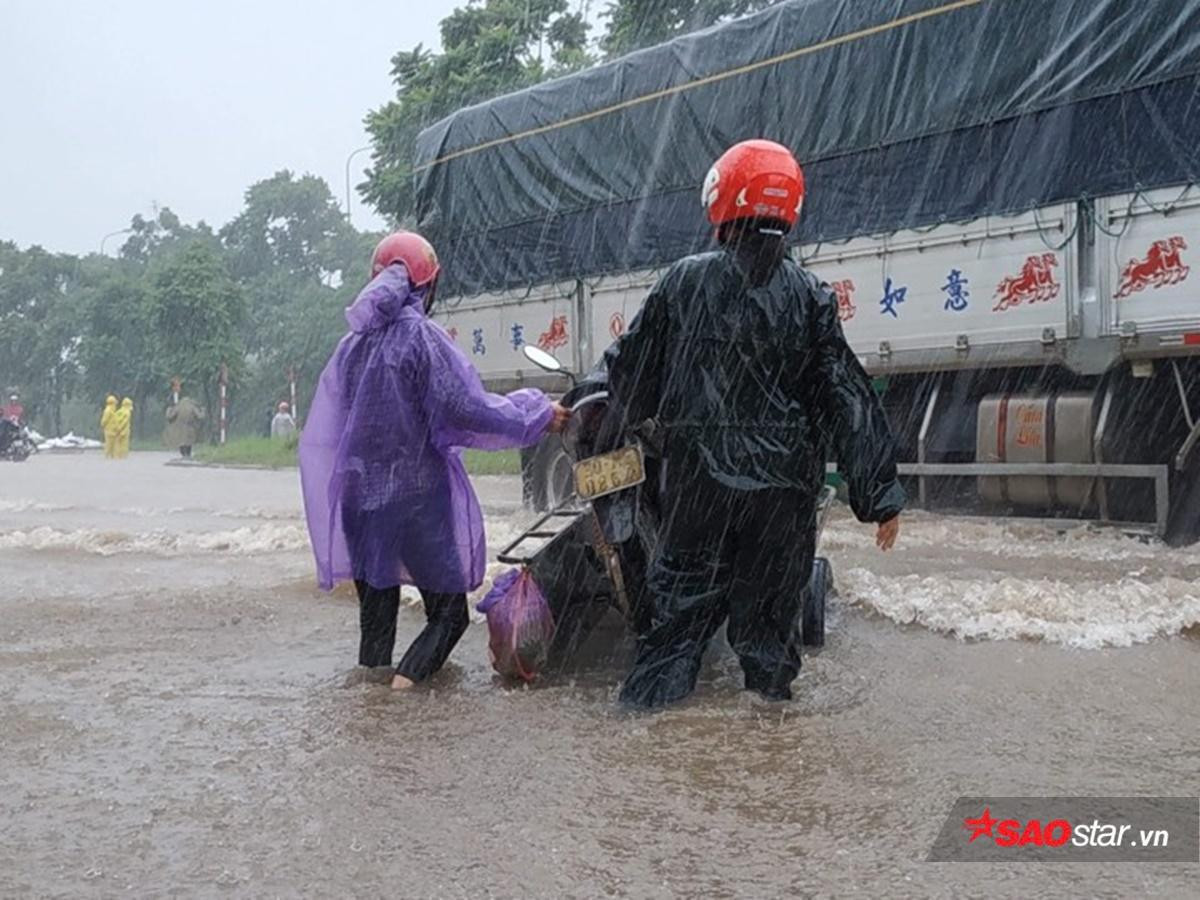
x=385, y=492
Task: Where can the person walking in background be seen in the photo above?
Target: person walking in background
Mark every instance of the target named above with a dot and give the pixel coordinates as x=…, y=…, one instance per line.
x=283, y=425
x=184, y=421
x=123, y=426
x=387, y=498
x=108, y=425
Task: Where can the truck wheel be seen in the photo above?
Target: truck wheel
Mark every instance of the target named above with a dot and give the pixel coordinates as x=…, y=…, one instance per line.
x=812, y=612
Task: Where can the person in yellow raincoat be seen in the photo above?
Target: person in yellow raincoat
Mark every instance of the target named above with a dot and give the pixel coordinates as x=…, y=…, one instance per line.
x=108, y=425
x=123, y=423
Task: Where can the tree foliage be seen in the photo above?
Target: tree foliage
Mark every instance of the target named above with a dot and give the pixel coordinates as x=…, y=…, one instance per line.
x=118, y=339
x=291, y=226
x=634, y=24
x=38, y=341
x=265, y=293
x=489, y=47
x=197, y=312
x=263, y=296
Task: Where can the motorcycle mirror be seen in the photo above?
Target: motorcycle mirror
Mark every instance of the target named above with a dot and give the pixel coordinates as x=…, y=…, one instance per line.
x=542, y=359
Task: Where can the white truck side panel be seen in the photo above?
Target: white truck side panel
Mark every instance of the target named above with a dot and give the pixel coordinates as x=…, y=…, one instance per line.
x=992, y=281
x=614, y=301
x=1146, y=260
x=492, y=328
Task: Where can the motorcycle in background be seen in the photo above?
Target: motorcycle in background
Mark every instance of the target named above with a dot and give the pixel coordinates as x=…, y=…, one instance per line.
x=16, y=444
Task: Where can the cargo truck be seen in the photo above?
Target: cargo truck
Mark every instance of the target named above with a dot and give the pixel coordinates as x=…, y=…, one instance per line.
x=1000, y=195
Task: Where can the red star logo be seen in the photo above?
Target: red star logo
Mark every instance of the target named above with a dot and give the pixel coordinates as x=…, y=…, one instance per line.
x=981, y=826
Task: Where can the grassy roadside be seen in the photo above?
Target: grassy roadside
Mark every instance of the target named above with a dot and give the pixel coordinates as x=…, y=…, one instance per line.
x=249, y=451
x=272, y=454
x=500, y=462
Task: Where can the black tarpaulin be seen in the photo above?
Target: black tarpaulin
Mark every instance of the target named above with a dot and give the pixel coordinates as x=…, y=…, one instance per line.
x=903, y=113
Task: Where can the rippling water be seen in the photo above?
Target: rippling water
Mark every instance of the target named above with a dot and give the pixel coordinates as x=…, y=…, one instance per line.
x=175, y=716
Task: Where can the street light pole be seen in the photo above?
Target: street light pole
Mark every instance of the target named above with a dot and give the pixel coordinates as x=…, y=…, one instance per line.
x=348, y=159
x=112, y=234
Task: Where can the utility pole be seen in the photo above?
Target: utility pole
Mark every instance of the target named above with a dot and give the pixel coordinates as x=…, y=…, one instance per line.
x=224, y=401
x=348, y=159
x=112, y=234
x=292, y=390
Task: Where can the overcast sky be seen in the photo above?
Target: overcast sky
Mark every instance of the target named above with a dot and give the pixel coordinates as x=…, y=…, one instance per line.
x=111, y=107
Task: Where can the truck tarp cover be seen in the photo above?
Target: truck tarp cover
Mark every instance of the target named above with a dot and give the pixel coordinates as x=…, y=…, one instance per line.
x=903, y=113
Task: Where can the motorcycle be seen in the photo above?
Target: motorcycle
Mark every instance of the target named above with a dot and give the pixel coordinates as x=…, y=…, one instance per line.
x=590, y=554
x=16, y=444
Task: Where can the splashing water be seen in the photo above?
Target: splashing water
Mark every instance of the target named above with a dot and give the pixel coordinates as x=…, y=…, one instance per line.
x=986, y=579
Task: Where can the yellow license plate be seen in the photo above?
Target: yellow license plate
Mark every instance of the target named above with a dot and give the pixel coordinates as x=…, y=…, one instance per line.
x=609, y=473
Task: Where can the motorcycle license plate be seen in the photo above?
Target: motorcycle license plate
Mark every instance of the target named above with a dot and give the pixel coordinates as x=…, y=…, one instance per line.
x=608, y=473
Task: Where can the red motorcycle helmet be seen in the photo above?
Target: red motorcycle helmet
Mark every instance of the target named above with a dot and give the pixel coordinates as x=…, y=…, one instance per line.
x=754, y=180
x=414, y=251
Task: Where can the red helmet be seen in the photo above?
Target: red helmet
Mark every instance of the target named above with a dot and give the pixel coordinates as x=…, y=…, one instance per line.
x=754, y=180
x=414, y=251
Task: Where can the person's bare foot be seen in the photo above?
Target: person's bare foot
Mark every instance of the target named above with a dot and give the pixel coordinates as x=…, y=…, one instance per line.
x=400, y=683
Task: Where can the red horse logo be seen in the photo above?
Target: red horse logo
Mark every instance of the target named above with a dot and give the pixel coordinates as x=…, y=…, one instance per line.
x=1035, y=284
x=844, y=291
x=556, y=335
x=1162, y=266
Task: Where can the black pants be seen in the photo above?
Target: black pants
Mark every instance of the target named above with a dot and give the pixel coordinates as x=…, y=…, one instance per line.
x=186, y=451
x=741, y=556
x=446, y=620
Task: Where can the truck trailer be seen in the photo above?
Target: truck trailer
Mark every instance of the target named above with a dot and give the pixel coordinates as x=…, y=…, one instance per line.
x=1000, y=193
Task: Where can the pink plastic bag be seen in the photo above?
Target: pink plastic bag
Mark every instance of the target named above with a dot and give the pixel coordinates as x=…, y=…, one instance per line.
x=520, y=625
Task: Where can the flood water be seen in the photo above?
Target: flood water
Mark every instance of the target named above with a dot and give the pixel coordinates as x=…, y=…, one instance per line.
x=176, y=716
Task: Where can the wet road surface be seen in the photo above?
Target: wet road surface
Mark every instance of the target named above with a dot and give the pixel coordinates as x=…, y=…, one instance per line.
x=176, y=716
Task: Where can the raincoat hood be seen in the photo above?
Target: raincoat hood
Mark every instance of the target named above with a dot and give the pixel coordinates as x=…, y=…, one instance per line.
x=126, y=403
x=385, y=493
x=380, y=303
x=111, y=401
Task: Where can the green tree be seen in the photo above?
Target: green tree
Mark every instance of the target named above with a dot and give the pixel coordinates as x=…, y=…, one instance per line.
x=489, y=47
x=118, y=351
x=39, y=328
x=299, y=263
x=264, y=296
x=290, y=225
x=198, y=313
x=633, y=24
x=301, y=344
x=290, y=239
x=164, y=234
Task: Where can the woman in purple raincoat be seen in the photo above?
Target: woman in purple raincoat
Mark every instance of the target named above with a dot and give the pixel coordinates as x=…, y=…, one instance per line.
x=385, y=492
